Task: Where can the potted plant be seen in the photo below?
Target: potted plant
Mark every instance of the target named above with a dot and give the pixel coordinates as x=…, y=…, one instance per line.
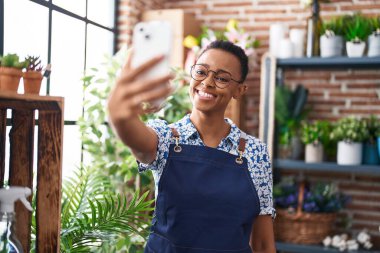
x=350, y=132
x=374, y=38
x=314, y=136
x=290, y=111
x=305, y=211
x=33, y=75
x=10, y=72
x=357, y=30
x=331, y=39
x=370, y=154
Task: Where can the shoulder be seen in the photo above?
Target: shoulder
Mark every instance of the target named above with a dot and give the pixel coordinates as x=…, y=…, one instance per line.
x=257, y=151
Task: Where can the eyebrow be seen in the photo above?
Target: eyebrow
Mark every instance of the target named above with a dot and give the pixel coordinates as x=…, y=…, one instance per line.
x=218, y=70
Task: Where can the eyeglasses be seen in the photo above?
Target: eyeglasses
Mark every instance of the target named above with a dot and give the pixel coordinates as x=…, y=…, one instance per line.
x=221, y=78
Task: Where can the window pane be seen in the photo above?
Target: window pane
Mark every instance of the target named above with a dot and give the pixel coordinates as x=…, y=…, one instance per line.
x=99, y=43
x=102, y=12
x=67, y=58
x=72, y=146
x=26, y=32
x=75, y=6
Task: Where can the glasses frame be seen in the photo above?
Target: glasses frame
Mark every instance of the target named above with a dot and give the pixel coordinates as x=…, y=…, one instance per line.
x=213, y=78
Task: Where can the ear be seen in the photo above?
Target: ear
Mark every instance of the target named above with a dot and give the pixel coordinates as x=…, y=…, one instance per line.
x=240, y=91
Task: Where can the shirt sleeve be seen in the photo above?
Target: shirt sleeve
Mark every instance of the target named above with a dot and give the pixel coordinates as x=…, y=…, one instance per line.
x=163, y=133
x=265, y=179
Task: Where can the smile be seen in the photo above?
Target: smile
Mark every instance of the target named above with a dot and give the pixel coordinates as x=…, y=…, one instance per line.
x=205, y=95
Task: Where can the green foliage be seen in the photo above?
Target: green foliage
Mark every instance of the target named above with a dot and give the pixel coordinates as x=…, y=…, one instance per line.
x=350, y=129
x=357, y=28
x=290, y=111
x=373, y=126
x=33, y=63
x=12, y=61
x=335, y=26
x=92, y=214
x=375, y=25
x=316, y=132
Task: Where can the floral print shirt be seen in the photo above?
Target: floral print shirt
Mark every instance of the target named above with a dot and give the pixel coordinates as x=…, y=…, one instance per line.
x=255, y=152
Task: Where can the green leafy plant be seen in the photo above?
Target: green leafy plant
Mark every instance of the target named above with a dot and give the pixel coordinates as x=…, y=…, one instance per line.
x=375, y=25
x=350, y=129
x=290, y=111
x=332, y=27
x=12, y=61
x=33, y=63
x=316, y=132
x=357, y=28
x=373, y=126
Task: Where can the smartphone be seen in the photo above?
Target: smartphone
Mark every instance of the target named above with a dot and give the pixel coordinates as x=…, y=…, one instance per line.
x=151, y=39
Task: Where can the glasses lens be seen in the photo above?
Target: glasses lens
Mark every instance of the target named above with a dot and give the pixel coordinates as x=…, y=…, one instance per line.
x=199, y=72
x=222, y=78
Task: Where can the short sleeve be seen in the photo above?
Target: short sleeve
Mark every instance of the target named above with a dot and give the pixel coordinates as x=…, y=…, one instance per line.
x=265, y=183
x=163, y=133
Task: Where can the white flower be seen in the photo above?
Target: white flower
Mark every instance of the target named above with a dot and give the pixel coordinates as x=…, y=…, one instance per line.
x=352, y=245
x=327, y=241
x=368, y=245
x=363, y=237
x=306, y=3
x=335, y=241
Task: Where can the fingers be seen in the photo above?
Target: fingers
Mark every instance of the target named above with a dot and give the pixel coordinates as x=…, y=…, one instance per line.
x=143, y=86
x=151, y=96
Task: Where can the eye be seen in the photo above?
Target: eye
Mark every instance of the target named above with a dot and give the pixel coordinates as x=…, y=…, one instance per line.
x=200, y=72
x=222, y=79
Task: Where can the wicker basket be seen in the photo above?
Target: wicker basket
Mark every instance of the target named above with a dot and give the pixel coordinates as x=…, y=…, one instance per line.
x=303, y=228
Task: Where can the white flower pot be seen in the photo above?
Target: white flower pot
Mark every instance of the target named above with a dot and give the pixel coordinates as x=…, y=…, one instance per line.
x=374, y=45
x=331, y=46
x=349, y=153
x=355, y=49
x=314, y=153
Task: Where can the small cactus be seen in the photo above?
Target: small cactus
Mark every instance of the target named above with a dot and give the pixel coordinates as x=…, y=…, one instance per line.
x=34, y=63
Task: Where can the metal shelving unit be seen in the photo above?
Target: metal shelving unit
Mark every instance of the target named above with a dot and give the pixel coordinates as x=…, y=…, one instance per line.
x=333, y=62
x=272, y=75
x=326, y=166
x=299, y=248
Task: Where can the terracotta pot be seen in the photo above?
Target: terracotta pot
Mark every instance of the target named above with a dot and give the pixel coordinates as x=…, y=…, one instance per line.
x=10, y=79
x=32, y=82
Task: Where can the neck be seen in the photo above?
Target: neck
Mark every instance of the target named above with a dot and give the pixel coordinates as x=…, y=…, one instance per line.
x=211, y=128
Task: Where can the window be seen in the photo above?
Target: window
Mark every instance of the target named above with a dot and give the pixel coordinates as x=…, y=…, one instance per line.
x=69, y=34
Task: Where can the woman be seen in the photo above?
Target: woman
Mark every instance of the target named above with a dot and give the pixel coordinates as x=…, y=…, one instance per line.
x=213, y=182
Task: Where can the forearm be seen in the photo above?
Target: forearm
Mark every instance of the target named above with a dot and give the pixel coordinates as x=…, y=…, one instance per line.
x=138, y=137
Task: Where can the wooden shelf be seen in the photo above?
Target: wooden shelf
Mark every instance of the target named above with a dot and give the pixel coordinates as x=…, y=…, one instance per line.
x=11, y=100
x=332, y=62
x=326, y=166
x=299, y=248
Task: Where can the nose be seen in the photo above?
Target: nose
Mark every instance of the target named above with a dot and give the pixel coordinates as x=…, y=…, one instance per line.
x=209, y=80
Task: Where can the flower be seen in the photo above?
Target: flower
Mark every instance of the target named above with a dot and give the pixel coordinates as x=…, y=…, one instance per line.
x=232, y=33
x=318, y=198
x=343, y=242
x=190, y=41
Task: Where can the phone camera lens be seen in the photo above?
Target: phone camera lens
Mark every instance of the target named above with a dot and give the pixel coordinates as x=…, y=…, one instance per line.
x=147, y=36
x=141, y=29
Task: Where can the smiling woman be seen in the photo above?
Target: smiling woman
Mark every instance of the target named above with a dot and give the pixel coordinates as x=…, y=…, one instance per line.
x=222, y=200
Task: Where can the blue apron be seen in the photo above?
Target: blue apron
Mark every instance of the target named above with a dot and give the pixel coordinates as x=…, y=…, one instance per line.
x=206, y=202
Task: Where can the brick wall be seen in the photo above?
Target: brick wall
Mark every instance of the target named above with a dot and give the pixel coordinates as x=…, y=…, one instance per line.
x=333, y=94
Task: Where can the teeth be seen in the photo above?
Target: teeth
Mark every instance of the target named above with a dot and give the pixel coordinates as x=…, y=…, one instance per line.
x=204, y=94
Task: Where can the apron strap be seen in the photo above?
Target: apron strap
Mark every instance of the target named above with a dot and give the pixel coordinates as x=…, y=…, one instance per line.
x=241, y=148
x=175, y=134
